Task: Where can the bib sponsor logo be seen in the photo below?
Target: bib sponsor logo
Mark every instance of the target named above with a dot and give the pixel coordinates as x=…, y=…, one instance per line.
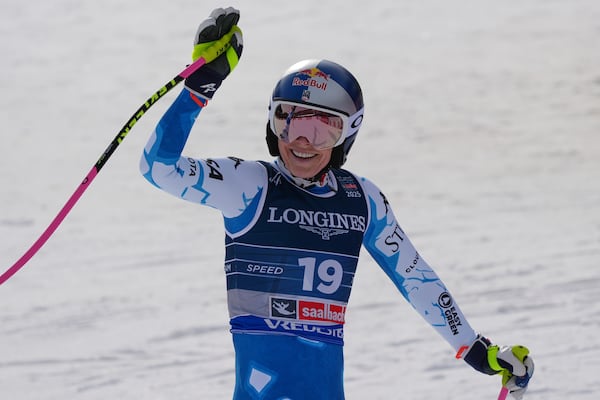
x=326, y=233
x=350, y=187
x=283, y=308
x=325, y=224
x=324, y=312
x=299, y=328
x=304, y=310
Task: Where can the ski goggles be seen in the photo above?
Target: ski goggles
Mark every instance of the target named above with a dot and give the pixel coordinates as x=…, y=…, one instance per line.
x=323, y=128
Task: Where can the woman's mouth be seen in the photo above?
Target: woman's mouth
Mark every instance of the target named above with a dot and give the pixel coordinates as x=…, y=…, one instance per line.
x=303, y=155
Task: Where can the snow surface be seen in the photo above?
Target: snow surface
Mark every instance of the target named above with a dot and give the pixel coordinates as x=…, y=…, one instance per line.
x=482, y=126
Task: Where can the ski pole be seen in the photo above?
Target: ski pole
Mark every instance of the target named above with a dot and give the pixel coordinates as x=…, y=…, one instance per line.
x=210, y=54
x=503, y=393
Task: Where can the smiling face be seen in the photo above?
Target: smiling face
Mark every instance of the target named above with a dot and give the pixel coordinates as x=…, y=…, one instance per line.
x=302, y=159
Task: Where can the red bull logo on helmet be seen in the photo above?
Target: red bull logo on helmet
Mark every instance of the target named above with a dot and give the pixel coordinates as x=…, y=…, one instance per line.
x=313, y=73
x=311, y=77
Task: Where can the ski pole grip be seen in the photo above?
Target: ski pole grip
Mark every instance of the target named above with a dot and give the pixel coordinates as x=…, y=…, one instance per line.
x=521, y=353
x=211, y=53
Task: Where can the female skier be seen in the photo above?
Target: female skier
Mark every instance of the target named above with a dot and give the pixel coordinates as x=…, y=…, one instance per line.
x=294, y=227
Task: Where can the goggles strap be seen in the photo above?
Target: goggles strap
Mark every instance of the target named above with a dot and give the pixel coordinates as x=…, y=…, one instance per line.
x=288, y=121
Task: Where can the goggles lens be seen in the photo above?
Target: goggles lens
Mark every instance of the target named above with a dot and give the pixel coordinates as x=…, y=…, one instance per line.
x=322, y=128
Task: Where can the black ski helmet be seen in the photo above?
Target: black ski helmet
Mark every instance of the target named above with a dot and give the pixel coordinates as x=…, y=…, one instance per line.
x=324, y=84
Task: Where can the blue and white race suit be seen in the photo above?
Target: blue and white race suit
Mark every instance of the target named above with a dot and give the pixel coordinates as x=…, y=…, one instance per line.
x=291, y=255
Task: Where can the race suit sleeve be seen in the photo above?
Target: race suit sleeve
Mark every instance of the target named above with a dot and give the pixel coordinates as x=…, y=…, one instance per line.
x=230, y=185
x=419, y=284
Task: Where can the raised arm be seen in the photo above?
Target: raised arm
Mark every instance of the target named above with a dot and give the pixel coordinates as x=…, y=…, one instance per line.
x=228, y=184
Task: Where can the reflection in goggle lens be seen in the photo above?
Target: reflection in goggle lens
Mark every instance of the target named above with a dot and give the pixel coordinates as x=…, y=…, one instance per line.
x=322, y=129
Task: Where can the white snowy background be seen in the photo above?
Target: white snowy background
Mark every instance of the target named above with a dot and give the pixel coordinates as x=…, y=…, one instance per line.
x=482, y=126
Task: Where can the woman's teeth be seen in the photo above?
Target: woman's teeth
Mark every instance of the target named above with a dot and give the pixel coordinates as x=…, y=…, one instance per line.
x=303, y=155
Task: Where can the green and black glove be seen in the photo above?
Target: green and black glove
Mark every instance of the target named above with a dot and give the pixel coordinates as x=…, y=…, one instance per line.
x=513, y=362
x=207, y=79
